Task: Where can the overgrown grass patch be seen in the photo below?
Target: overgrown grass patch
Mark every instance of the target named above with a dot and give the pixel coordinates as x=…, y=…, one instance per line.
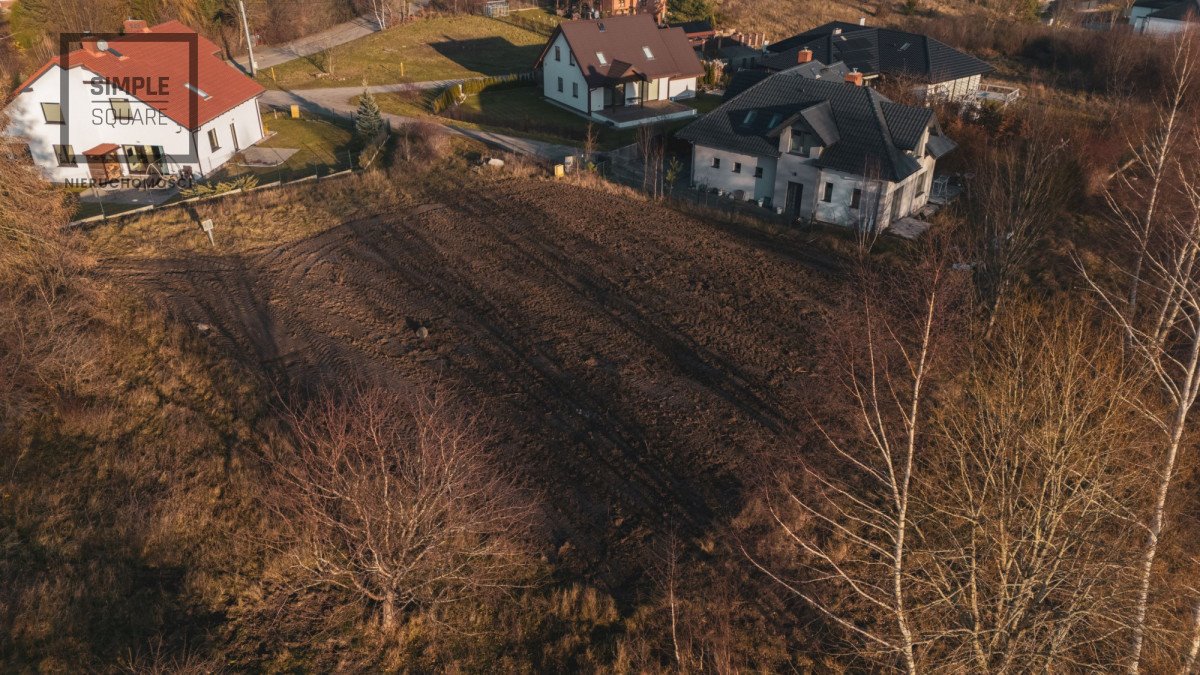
x=431, y=49
x=524, y=111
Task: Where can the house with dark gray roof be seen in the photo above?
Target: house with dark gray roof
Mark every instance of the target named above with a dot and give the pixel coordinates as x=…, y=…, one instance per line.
x=1163, y=17
x=936, y=70
x=621, y=70
x=803, y=65
x=817, y=149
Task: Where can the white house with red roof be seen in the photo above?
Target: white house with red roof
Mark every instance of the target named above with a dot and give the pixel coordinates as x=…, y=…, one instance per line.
x=621, y=70
x=152, y=101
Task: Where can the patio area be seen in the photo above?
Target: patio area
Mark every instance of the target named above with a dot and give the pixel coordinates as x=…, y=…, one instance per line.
x=624, y=117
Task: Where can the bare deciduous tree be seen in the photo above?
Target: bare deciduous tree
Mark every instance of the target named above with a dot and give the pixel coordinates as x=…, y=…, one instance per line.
x=395, y=504
x=1026, y=501
x=1161, y=322
x=1019, y=193
x=1136, y=199
x=864, y=523
x=650, y=150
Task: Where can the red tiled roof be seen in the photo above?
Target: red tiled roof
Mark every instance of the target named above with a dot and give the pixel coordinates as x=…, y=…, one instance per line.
x=225, y=86
x=626, y=39
x=99, y=150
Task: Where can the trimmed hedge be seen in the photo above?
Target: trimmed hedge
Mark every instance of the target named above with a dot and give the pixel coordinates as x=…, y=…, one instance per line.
x=448, y=98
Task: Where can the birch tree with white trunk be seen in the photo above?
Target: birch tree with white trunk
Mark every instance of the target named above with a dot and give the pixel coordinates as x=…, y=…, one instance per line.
x=1161, y=322
x=853, y=528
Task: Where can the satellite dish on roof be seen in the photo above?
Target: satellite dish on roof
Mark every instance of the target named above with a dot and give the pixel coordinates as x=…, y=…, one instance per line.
x=102, y=45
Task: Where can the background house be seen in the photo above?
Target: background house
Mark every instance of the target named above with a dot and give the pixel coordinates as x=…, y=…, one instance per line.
x=623, y=70
x=805, y=66
x=657, y=9
x=136, y=105
x=937, y=70
x=832, y=151
x=1163, y=17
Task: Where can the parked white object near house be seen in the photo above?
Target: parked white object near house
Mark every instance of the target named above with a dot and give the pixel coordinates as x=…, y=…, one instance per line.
x=155, y=101
x=622, y=70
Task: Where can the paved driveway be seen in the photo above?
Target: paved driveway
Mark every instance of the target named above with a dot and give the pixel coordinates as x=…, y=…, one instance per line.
x=308, y=45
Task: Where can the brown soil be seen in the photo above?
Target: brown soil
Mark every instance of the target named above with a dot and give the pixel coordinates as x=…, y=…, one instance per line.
x=631, y=360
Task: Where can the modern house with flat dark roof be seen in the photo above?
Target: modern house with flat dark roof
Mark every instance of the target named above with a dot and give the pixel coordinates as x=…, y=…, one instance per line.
x=937, y=70
x=827, y=150
x=622, y=70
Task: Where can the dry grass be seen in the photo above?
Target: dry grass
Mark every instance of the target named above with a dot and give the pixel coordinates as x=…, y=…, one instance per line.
x=267, y=217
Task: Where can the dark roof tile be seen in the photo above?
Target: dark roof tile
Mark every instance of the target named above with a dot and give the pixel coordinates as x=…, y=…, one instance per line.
x=871, y=133
x=625, y=39
x=880, y=50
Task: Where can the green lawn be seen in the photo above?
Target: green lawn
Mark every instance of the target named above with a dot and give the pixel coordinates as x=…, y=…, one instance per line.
x=322, y=146
x=522, y=111
x=432, y=49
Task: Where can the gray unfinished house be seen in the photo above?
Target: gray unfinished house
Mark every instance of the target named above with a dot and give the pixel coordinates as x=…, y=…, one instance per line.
x=832, y=151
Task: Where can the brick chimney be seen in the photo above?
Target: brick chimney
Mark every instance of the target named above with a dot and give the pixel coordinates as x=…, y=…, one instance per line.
x=136, y=26
x=91, y=46
x=855, y=78
x=804, y=56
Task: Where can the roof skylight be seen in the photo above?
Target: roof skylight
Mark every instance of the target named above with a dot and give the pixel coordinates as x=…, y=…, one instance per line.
x=198, y=91
x=649, y=54
x=601, y=58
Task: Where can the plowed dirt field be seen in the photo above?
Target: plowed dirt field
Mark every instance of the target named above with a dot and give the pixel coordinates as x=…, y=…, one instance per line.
x=630, y=359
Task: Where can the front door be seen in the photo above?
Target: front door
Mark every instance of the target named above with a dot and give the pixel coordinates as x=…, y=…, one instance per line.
x=795, y=199
x=144, y=159
x=614, y=97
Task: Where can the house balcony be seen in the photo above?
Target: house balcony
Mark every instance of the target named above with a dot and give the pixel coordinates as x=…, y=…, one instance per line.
x=647, y=112
x=998, y=93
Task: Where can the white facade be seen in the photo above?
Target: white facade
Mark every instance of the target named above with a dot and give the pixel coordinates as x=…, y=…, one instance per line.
x=1160, y=27
x=795, y=184
x=89, y=120
x=564, y=84
x=560, y=69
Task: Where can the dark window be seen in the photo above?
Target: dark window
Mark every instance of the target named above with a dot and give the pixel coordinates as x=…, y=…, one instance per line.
x=213, y=143
x=52, y=113
x=828, y=196
x=571, y=58
x=758, y=172
x=716, y=163
x=575, y=89
x=855, y=198
x=560, y=85
x=802, y=143
x=921, y=185
x=737, y=167
x=557, y=53
x=65, y=155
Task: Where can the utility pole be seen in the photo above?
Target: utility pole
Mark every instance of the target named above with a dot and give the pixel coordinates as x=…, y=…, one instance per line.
x=249, y=42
